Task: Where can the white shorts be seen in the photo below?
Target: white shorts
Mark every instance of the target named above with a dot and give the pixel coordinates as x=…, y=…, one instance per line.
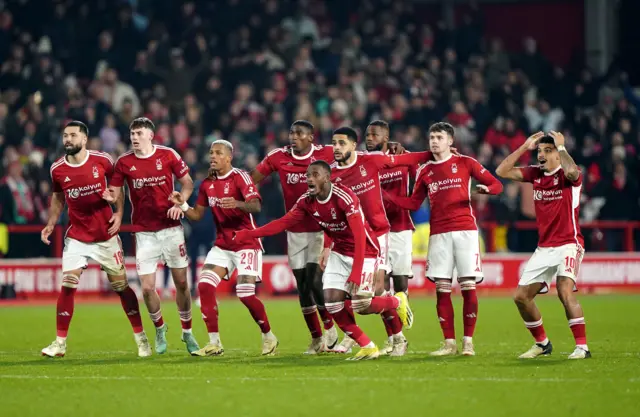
x=401, y=253
x=339, y=268
x=547, y=263
x=304, y=248
x=107, y=254
x=247, y=261
x=165, y=246
x=458, y=250
x=383, y=256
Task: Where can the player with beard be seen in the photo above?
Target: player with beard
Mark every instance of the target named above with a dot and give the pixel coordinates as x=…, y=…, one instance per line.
x=454, y=241
x=79, y=179
x=395, y=182
x=232, y=198
x=353, y=258
x=361, y=173
x=557, y=183
x=304, y=240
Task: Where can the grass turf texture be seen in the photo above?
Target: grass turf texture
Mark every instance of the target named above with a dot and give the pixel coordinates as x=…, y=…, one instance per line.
x=101, y=374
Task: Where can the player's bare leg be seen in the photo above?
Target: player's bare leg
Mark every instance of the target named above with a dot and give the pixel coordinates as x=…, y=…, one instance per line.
x=246, y=292
x=64, y=313
x=574, y=314
x=210, y=278
x=330, y=332
x=524, y=299
x=309, y=311
x=152, y=301
x=183, y=301
x=444, y=308
x=469, y=313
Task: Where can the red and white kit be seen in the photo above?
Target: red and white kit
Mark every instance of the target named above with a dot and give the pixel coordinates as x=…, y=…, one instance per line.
x=246, y=257
x=395, y=183
x=454, y=241
x=87, y=236
x=363, y=178
x=304, y=240
x=560, y=242
x=150, y=180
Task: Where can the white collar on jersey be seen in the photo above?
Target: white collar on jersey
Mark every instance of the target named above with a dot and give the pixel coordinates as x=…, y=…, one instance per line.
x=338, y=166
x=554, y=172
x=300, y=158
x=328, y=198
x=86, y=158
x=440, y=162
x=146, y=156
x=225, y=175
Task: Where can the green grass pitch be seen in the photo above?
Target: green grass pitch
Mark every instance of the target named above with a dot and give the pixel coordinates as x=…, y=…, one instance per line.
x=102, y=376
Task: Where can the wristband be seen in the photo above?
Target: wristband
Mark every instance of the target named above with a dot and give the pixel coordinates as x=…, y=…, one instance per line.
x=561, y=148
x=184, y=206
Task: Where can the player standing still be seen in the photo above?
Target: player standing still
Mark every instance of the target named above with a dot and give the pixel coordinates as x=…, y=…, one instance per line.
x=79, y=179
x=232, y=198
x=148, y=171
x=557, y=183
x=304, y=240
x=454, y=240
x=395, y=182
x=353, y=258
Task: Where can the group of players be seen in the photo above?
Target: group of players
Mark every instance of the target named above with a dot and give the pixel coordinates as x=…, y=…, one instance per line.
x=349, y=233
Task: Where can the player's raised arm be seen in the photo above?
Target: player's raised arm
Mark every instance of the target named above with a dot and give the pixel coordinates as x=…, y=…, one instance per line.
x=293, y=217
x=488, y=183
x=567, y=163
x=263, y=170
x=507, y=168
x=406, y=159
x=415, y=200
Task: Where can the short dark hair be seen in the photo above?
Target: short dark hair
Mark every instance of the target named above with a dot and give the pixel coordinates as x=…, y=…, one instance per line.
x=442, y=127
x=324, y=164
x=380, y=123
x=304, y=123
x=546, y=139
x=348, y=132
x=142, y=122
x=77, y=123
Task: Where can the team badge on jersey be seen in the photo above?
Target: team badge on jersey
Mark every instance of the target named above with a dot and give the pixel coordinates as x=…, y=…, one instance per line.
x=95, y=172
x=313, y=159
x=226, y=188
x=454, y=168
x=158, y=164
x=363, y=171
x=333, y=213
x=555, y=180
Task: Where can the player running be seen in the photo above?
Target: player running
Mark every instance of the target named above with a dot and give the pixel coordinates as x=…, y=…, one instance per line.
x=353, y=258
x=304, y=240
x=453, y=241
x=148, y=170
x=395, y=182
x=79, y=179
x=361, y=173
x=557, y=183
x=232, y=197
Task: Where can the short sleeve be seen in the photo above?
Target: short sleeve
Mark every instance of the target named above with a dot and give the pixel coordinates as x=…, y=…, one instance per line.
x=55, y=185
x=178, y=166
x=529, y=173
x=108, y=165
x=246, y=186
x=202, y=195
x=350, y=206
x=265, y=167
x=578, y=181
x=117, y=179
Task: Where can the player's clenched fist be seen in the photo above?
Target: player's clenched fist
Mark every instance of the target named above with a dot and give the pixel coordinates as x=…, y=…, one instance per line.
x=46, y=232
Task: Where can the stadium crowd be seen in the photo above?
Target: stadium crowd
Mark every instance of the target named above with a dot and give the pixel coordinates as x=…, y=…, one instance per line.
x=243, y=70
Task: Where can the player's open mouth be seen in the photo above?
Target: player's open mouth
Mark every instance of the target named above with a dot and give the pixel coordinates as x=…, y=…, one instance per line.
x=311, y=187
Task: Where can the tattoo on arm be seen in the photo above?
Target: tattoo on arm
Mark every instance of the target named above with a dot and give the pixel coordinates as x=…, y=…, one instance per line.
x=568, y=166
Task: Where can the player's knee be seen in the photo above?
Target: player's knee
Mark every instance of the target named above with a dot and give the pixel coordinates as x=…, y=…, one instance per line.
x=443, y=286
x=361, y=306
x=521, y=297
x=70, y=281
x=119, y=286
x=181, y=284
x=245, y=290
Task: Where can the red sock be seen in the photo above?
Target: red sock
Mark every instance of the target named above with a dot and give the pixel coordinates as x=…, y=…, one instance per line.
x=387, y=326
x=326, y=318
x=185, y=319
x=579, y=330
x=392, y=322
x=469, y=307
x=208, y=305
x=310, y=315
x=444, y=307
x=537, y=330
x=64, y=310
x=247, y=294
x=347, y=324
x=348, y=307
x=131, y=307
x=156, y=318
x=381, y=304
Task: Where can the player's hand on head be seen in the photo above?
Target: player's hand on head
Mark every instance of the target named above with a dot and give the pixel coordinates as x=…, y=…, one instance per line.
x=558, y=138
x=532, y=141
x=46, y=232
x=115, y=222
x=176, y=198
x=228, y=203
x=175, y=213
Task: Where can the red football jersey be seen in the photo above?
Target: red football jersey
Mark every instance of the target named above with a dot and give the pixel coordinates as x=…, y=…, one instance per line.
x=237, y=184
x=292, y=170
x=363, y=177
x=557, y=203
x=150, y=182
x=395, y=182
x=448, y=185
x=83, y=185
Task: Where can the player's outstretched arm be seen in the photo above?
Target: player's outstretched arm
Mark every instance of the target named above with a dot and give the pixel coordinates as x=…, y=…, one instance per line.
x=507, y=168
x=490, y=184
x=406, y=159
x=182, y=208
x=293, y=217
x=252, y=206
x=55, y=209
x=567, y=163
x=257, y=177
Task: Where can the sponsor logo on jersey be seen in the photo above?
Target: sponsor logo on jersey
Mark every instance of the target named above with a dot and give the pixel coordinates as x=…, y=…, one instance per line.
x=295, y=178
x=84, y=191
x=363, y=186
x=436, y=186
x=392, y=176
x=139, y=183
x=540, y=195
